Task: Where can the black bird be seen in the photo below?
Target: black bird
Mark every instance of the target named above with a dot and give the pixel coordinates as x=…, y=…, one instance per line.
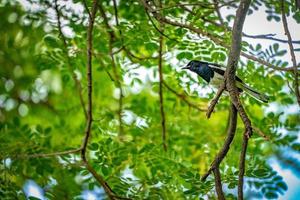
x=214, y=74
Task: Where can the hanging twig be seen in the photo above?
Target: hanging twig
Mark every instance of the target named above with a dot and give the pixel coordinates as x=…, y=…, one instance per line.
x=161, y=79
x=88, y=128
x=44, y=155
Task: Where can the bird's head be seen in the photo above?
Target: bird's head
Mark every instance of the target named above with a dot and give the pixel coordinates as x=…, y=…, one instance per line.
x=195, y=65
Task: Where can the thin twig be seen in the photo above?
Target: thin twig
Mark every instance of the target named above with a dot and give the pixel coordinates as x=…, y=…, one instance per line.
x=156, y=28
x=77, y=82
x=116, y=73
x=269, y=37
x=161, y=79
x=215, y=100
x=292, y=52
x=201, y=4
x=183, y=98
x=216, y=5
x=257, y=130
x=44, y=155
x=89, y=79
x=226, y=146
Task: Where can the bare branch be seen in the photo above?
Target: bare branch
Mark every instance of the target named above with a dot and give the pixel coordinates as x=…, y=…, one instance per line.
x=292, y=52
x=234, y=55
x=183, y=98
x=215, y=100
x=89, y=79
x=242, y=166
x=99, y=178
x=77, y=82
x=218, y=184
x=229, y=138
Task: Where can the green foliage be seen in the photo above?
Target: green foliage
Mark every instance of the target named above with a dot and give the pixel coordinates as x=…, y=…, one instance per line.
x=41, y=110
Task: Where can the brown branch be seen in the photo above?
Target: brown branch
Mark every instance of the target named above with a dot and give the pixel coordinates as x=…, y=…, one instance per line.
x=269, y=37
x=161, y=79
x=44, y=155
x=229, y=138
x=115, y=71
x=89, y=79
x=257, y=130
x=265, y=63
x=218, y=184
x=117, y=79
x=216, y=5
x=242, y=166
x=234, y=55
x=210, y=36
x=183, y=98
x=233, y=60
x=100, y=179
x=292, y=52
x=215, y=100
x=201, y=4
x=64, y=40
x=88, y=128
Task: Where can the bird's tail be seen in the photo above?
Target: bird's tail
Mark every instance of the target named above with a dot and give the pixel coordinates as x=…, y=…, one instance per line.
x=252, y=92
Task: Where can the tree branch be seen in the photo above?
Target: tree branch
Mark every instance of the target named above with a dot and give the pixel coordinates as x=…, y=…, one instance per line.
x=183, y=98
x=218, y=184
x=44, y=155
x=77, y=82
x=233, y=60
x=234, y=55
x=226, y=146
x=293, y=57
x=242, y=166
x=88, y=128
x=269, y=37
x=259, y=132
x=116, y=73
x=216, y=5
x=215, y=100
x=161, y=98
x=89, y=79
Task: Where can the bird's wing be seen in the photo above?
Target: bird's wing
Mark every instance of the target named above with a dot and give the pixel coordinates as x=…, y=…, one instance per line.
x=221, y=70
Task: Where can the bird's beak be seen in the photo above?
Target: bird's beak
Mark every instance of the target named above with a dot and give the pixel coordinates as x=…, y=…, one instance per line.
x=186, y=67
